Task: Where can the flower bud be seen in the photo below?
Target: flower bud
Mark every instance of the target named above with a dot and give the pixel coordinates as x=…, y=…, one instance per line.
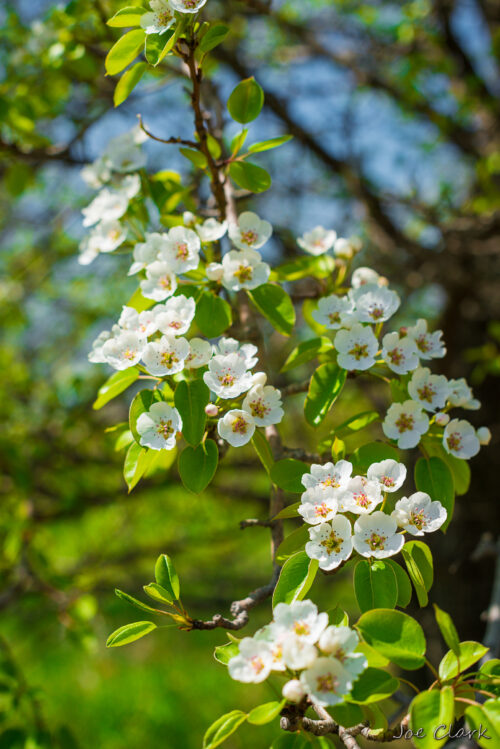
x=442, y=419
x=211, y=409
x=403, y=332
x=484, y=435
x=259, y=378
x=343, y=249
x=330, y=641
x=293, y=691
x=214, y=271
x=188, y=219
x=383, y=281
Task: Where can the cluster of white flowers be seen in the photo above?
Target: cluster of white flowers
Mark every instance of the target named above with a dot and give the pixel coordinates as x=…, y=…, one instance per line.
x=299, y=639
x=332, y=498
x=162, y=14
x=320, y=240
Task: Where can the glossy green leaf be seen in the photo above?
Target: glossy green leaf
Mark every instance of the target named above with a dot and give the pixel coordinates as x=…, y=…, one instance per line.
x=116, y=384
x=292, y=543
x=127, y=17
x=158, y=593
x=470, y=653
x=418, y=560
x=447, y=629
x=134, y=601
x=485, y=721
x=246, y=101
x=491, y=670
x=396, y=635
x=301, y=267
x=275, y=304
x=295, y=580
x=222, y=728
x=403, y=581
x=373, y=685
x=265, y=713
x=287, y=474
x=190, y=400
x=128, y=82
x=124, y=51
x=213, y=37
x=375, y=585
x=324, y=388
x=459, y=468
x=129, y=633
x=306, y=351
x=250, y=176
x=346, y=714
x=195, y=157
x=197, y=465
x=263, y=449
x=429, y=710
x=139, y=461
x=433, y=477
x=290, y=511
x=355, y=423
x=213, y=315
x=224, y=653
x=166, y=576
x=373, y=452
x=266, y=145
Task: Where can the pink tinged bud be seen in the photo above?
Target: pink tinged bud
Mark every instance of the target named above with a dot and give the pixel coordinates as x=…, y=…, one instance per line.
x=211, y=409
x=293, y=691
x=214, y=271
x=403, y=332
x=484, y=435
x=442, y=419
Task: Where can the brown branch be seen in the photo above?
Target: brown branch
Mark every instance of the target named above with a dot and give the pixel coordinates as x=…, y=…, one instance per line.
x=178, y=141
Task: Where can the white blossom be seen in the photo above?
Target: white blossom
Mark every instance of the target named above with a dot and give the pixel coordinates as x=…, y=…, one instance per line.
x=329, y=477
x=87, y=251
x=298, y=653
x=389, y=473
x=96, y=356
x=160, y=19
x=460, y=439
x=200, y=353
x=107, y=236
x=143, y=323
x=108, y=205
x=264, y=404
x=160, y=283
x=236, y=427
x=400, y=354
x=124, y=154
x=96, y=174
x=317, y=507
x=181, y=249
x=253, y=664
x=244, y=270
x=484, y=435
x=176, y=315
x=418, y=514
x=211, y=230
x=188, y=6
x=356, y=347
x=145, y=253
x=333, y=310
x=406, y=423
x=345, y=249
x=376, y=536
x=245, y=351
x=374, y=303
x=318, y=241
x=340, y=643
x=130, y=186
x=330, y=543
x=429, y=390
x=259, y=378
x=363, y=276
x=300, y=618
x=165, y=356
x=227, y=376
x=250, y=232
x=293, y=691
x=158, y=426
x=326, y=681
x=214, y=271
x=461, y=395
x=124, y=350
x=267, y=634
x=429, y=345
x=361, y=496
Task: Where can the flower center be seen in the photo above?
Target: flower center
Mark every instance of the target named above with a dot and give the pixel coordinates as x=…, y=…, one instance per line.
x=164, y=17
x=176, y=324
x=165, y=429
x=334, y=317
x=182, y=251
x=454, y=441
x=257, y=664
x=418, y=519
x=405, y=423
x=226, y=380
x=396, y=356
x=376, y=312
x=322, y=510
x=331, y=481
x=361, y=499
x=301, y=628
x=259, y=409
x=423, y=343
x=244, y=273
x=387, y=481
x=426, y=393
x=377, y=542
x=332, y=543
x=326, y=683
x=240, y=425
x=165, y=282
x=113, y=234
x=168, y=359
x=359, y=351
x=129, y=354
x=249, y=237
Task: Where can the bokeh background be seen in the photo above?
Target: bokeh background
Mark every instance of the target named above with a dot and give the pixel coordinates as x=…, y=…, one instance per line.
x=395, y=109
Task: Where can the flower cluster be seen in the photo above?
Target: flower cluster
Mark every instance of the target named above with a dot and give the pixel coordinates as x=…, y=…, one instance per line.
x=162, y=15
x=321, y=659
x=333, y=499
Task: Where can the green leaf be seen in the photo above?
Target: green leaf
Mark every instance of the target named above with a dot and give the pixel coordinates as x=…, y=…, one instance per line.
x=139, y=461
x=116, y=384
x=190, y=400
x=141, y=403
x=265, y=713
x=246, y=101
x=195, y=157
x=124, y=51
x=139, y=302
x=375, y=660
x=404, y=583
x=338, y=617
x=346, y=714
x=324, y=388
x=214, y=36
x=355, y=423
x=290, y=511
x=459, y=468
x=166, y=576
x=224, y=653
x=275, y=304
x=134, y=601
x=418, y=560
x=250, y=176
x=263, y=449
x=128, y=82
x=306, y=351
x=223, y=728
x=301, y=267
x=433, y=477
x=127, y=17
x=296, y=577
x=396, y=635
x=197, y=465
x=158, y=593
x=429, y=710
x=470, y=653
x=129, y=633
x=292, y=543
x=266, y=145
x=485, y=718
x=447, y=629
x=373, y=452
x=373, y=685
x=213, y=315
x=287, y=474
x=491, y=670
x=375, y=585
